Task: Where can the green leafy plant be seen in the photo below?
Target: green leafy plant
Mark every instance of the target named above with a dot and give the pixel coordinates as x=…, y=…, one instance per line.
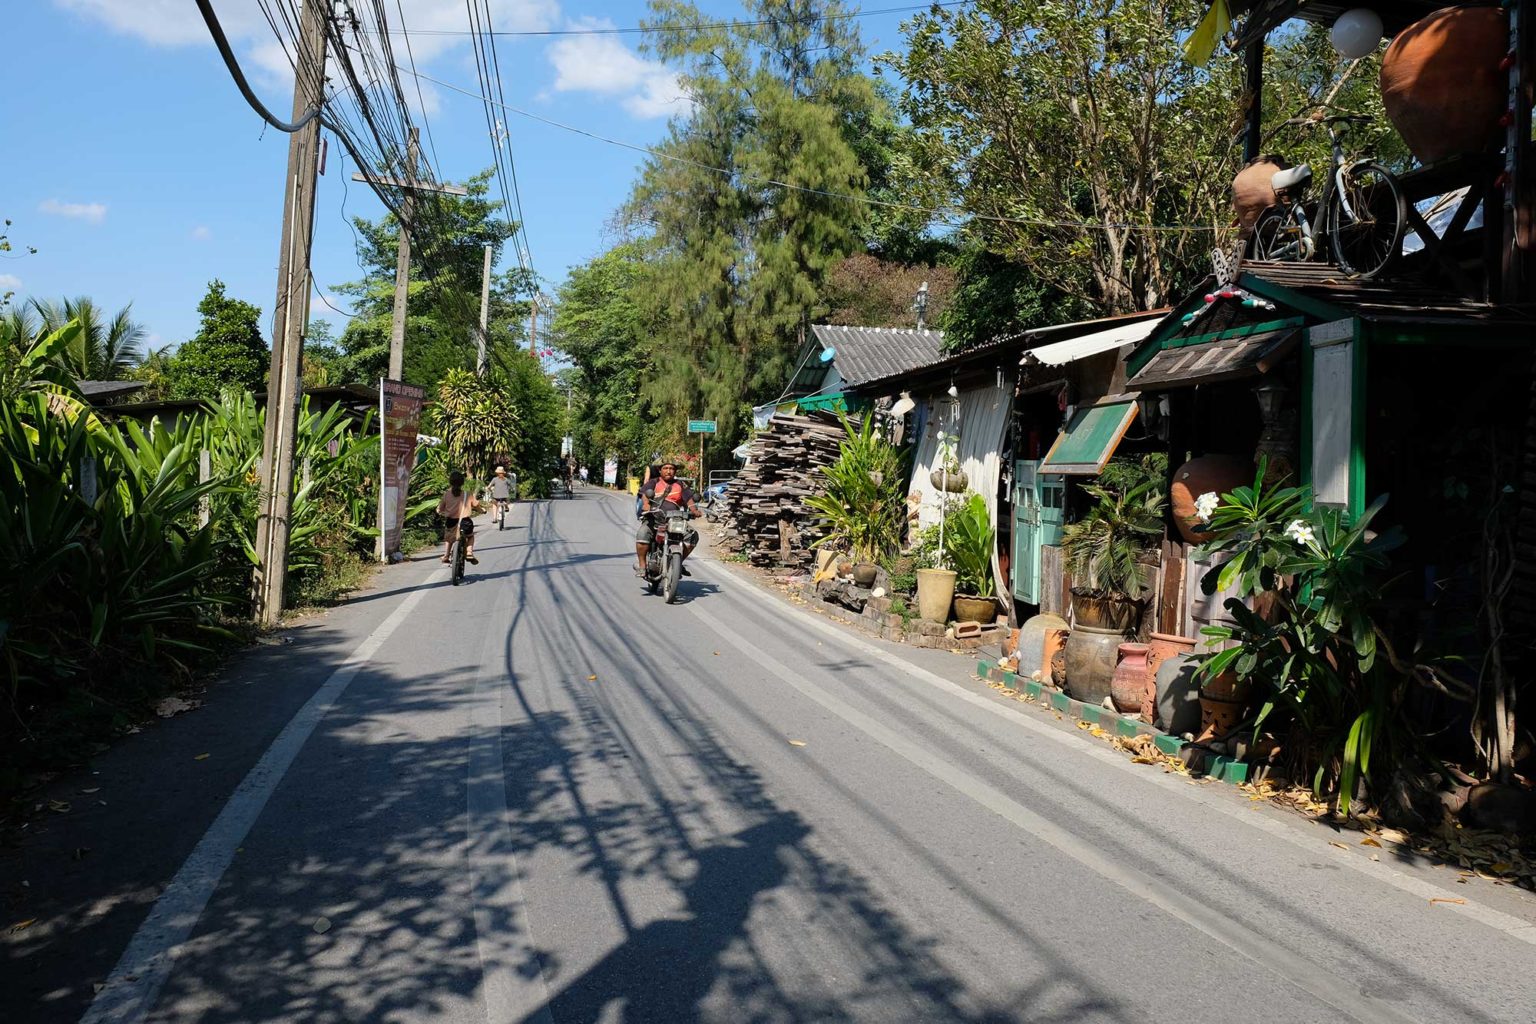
x=1104, y=549
x=863, y=507
x=969, y=543
x=1318, y=651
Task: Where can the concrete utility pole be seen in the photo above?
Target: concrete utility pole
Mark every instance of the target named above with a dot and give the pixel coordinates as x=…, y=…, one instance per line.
x=485, y=310
x=277, y=443
x=533, y=329
x=409, y=186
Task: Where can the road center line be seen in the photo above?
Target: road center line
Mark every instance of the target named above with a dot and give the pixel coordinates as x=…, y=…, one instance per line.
x=131, y=989
x=1515, y=927
x=1300, y=972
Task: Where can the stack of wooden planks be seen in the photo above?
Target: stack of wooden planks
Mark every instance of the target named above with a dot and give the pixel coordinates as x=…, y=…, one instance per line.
x=766, y=515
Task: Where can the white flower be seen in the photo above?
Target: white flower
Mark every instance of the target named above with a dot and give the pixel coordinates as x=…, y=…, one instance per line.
x=1301, y=533
x=1205, y=505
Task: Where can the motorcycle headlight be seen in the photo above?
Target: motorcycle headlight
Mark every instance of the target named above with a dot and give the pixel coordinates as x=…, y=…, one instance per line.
x=677, y=527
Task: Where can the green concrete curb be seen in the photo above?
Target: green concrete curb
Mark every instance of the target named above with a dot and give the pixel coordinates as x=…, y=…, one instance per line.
x=1033, y=688
x=1169, y=745
x=1011, y=681
x=1061, y=702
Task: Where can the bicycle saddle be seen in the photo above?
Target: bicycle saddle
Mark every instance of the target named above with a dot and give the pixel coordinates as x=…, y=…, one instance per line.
x=1291, y=177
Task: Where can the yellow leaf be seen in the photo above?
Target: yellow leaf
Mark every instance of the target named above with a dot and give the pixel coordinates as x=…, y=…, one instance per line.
x=202, y=757
x=1368, y=841
x=797, y=743
x=1339, y=845
x=21, y=925
x=591, y=679
x=1084, y=725
x=1096, y=731
x=1446, y=899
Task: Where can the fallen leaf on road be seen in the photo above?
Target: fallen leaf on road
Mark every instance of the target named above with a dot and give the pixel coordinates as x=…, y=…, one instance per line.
x=1143, y=759
x=172, y=706
x=1376, y=857
x=202, y=757
x=591, y=679
x=322, y=925
x=1083, y=725
x=1368, y=841
x=797, y=743
x=93, y=789
x=23, y=925
x=61, y=806
x=1446, y=899
x=1339, y=845
x=717, y=654
x=1096, y=731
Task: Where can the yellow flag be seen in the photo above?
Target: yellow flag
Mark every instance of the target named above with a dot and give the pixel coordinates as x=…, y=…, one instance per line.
x=1203, y=41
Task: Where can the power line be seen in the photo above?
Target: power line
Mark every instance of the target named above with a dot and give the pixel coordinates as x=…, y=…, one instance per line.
x=949, y=213
x=700, y=26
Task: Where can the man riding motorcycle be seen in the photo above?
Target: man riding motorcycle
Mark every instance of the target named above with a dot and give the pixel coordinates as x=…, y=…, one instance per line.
x=668, y=494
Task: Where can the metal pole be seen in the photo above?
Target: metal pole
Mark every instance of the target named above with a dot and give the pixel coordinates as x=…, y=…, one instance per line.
x=403, y=263
x=533, y=329
x=485, y=308
x=277, y=447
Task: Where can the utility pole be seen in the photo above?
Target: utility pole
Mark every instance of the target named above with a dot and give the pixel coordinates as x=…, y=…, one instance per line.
x=485, y=309
x=277, y=443
x=533, y=329
x=409, y=186
x=403, y=260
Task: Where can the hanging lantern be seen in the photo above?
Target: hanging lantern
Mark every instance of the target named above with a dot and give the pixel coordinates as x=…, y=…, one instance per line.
x=1356, y=33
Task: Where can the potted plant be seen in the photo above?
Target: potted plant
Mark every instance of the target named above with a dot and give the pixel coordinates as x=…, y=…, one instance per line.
x=1103, y=552
x=862, y=507
x=969, y=545
x=947, y=476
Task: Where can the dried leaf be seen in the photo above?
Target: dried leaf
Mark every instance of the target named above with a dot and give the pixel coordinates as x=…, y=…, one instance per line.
x=172, y=706
x=93, y=789
x=20, y=926
x=591, y=679
x=1143, y=759
x=1376, y=857
x=1084, y=725
x=202, y=757
x=797, y=743
x=1368, y=841
x=1339, y=845
x=1446, y=899
x=1096, y=731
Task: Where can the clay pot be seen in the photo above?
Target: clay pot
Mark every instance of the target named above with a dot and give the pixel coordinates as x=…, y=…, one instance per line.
x=1178, y=696
x=864, y=574
x=1090, y=662
x=1252, y=192
x=1222, y=702
x=975, y=609
x=1131, y=685
x=1105, y=612
x=1162, y=646
x=1208, y=473
x=935, y=593
x=1010, y=642
x=1034, y=650
x=1053, y=666
x=952, y=483
x=1441, y=84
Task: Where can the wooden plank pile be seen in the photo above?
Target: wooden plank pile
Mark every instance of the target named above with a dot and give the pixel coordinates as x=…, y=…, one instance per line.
x=766, y=515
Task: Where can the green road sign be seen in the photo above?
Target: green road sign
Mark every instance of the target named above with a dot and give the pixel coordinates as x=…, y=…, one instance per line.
x=701, y=426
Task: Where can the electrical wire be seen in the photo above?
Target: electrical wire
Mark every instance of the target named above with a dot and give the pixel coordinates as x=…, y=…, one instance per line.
x=701, y=26
x=934, y=212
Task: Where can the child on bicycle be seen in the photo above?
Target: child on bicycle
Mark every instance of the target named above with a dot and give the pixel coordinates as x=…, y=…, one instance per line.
x=503, y=489
x=458, y=507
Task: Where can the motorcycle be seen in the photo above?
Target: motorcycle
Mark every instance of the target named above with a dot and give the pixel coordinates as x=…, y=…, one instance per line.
x=664, y=562
x=714, y=503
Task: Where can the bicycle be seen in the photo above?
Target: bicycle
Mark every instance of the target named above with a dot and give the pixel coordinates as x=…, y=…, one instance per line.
x=502, y=505
x=1362, y=210
x=461, y=532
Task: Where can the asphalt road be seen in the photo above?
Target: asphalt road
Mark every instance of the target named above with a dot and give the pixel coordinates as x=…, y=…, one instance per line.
x=546, y=796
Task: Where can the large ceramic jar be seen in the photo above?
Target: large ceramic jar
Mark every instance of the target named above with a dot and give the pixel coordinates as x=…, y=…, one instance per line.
x=1131, y=687
x=1208, y=474
x=1091, y=656
x=1441, y=84
x=1252, y=192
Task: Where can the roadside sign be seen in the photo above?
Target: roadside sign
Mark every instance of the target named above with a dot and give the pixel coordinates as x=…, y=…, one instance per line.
x=701, y=426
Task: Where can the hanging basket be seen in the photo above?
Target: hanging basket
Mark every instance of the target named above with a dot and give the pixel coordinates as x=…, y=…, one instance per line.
x=954, y=482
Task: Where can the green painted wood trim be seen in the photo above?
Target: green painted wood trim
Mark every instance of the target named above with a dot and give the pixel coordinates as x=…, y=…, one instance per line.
x=1141, y=356
x=1357, y=425
x=1325, y=311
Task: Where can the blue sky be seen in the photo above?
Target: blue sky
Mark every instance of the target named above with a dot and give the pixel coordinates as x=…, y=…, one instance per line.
x=138, y=172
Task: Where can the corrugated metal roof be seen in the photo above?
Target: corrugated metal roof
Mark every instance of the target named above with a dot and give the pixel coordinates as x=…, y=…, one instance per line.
x=102, y=389
x=1062, y=352
x=869, y=353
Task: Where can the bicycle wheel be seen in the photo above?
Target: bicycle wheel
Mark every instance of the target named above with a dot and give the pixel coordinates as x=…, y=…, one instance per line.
x=458, y=561
x=1367, y=216
x=674, y=574
x=1276, y=238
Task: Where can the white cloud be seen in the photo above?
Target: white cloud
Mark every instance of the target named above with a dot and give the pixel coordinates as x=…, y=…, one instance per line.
x=9, y=283
x=91, y=213
x=605, y=66
x=202, y=233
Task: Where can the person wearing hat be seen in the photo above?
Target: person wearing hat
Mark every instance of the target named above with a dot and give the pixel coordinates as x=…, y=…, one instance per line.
x=503, y=487
x=667, y=493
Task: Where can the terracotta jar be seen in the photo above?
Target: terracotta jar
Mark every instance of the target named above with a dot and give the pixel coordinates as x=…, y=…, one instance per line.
x=1131, y=686
x=1053, y=668
x=1441, y=84
x=1222, y=702
x=1162, y=646
x=1252, y=192
x=1208, y=474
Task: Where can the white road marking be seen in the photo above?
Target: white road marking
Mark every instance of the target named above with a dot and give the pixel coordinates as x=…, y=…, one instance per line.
x=1515, y=927
x=131, y=989
x=1298, y=971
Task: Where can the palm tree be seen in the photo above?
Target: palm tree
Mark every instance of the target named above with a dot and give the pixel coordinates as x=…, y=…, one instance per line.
x=105, y=349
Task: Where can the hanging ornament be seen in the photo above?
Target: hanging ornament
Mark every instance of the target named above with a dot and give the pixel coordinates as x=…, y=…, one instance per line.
x=1357, y=33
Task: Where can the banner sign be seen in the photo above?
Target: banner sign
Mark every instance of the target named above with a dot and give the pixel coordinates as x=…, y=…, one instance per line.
x=701, y=426
x=611, y=472
x=400, y=421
